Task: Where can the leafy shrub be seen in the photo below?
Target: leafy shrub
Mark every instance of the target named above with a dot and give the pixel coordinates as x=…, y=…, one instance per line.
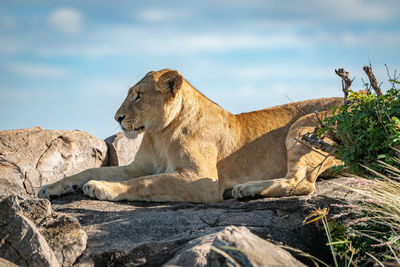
x=366, y=129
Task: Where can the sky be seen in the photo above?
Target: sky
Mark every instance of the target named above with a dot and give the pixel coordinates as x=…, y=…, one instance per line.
x=69, y=64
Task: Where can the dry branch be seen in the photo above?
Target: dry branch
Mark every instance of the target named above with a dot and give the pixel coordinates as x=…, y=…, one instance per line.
x=372, y=80
x=391, y=79
x=317, y=142
x=346, y=82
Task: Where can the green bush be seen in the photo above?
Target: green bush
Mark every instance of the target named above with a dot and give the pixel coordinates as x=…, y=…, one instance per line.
x=366, y=129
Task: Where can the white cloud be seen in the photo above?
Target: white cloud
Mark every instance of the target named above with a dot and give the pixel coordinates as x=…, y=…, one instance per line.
x=262, y=72
x=254, y=33
x=129, y=40
x=7, y=21
x=244, y=98
x=67, y=20
x=11, y=46
x=166, y=14
x=154, y=15
x=370, y=38
x=358, y=10
x=226, y=42
x=35, y=70
x=342, y=11
x=276, y=25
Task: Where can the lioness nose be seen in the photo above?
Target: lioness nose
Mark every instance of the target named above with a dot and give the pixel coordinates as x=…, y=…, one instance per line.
x=119, y=118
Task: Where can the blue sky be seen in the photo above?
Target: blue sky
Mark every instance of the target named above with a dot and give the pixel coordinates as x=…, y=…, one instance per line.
x=69, y=64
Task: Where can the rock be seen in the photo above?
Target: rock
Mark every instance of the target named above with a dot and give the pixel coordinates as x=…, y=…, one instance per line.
x=32, y=234
x=121, y=150
x=6, y=263
x=22, y=242
x=194, y=253
x=236, y=246
x=247, y=250
x=150, y=234
x=30, y=158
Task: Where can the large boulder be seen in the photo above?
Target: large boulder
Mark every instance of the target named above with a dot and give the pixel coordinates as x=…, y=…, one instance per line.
x=122, y=150
x=233, y=246
x=32, y=234
x=30, y=158
x=151, y=234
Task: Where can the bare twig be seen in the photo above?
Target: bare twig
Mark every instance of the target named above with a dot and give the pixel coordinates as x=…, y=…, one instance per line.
x=366, y=86
x=298, y=109
x=320, y=119
x=304, y=143
x=372, y=80
x=346, y=82
x=391, y=79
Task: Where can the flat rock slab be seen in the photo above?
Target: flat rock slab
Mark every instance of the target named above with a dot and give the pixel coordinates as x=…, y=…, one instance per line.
x=30, y=158
x=148, y=234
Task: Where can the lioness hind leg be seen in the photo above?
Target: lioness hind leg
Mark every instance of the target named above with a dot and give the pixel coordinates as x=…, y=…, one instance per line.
x=294, y=183
x=304, y=166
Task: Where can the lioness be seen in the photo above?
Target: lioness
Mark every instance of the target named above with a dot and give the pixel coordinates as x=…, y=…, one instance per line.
x=193, y=150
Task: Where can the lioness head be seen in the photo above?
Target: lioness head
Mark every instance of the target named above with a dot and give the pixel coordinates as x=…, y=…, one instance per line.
x=151, y=104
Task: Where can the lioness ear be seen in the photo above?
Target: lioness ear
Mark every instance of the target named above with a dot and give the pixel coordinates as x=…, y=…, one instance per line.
x=170, y=82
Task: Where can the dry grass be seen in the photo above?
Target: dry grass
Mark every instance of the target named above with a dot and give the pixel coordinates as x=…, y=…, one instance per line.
x=379, y=222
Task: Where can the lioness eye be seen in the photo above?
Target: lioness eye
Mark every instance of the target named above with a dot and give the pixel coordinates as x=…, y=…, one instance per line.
x=138, y=97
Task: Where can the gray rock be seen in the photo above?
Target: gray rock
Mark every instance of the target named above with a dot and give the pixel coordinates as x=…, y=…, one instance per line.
x=233, y=245
x=121, y=150
x=30, y=158
x=22, y=242
x=33, y=234
x=6, y=263
x=194, y=253
x=247, y=250
x=150, y=234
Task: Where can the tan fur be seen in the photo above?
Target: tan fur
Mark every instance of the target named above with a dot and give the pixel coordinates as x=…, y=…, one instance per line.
x=192, y=149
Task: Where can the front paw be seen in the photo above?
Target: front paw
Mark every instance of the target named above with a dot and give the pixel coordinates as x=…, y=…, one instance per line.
x=100, y=190
x=57, y=189
x=50, y=191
